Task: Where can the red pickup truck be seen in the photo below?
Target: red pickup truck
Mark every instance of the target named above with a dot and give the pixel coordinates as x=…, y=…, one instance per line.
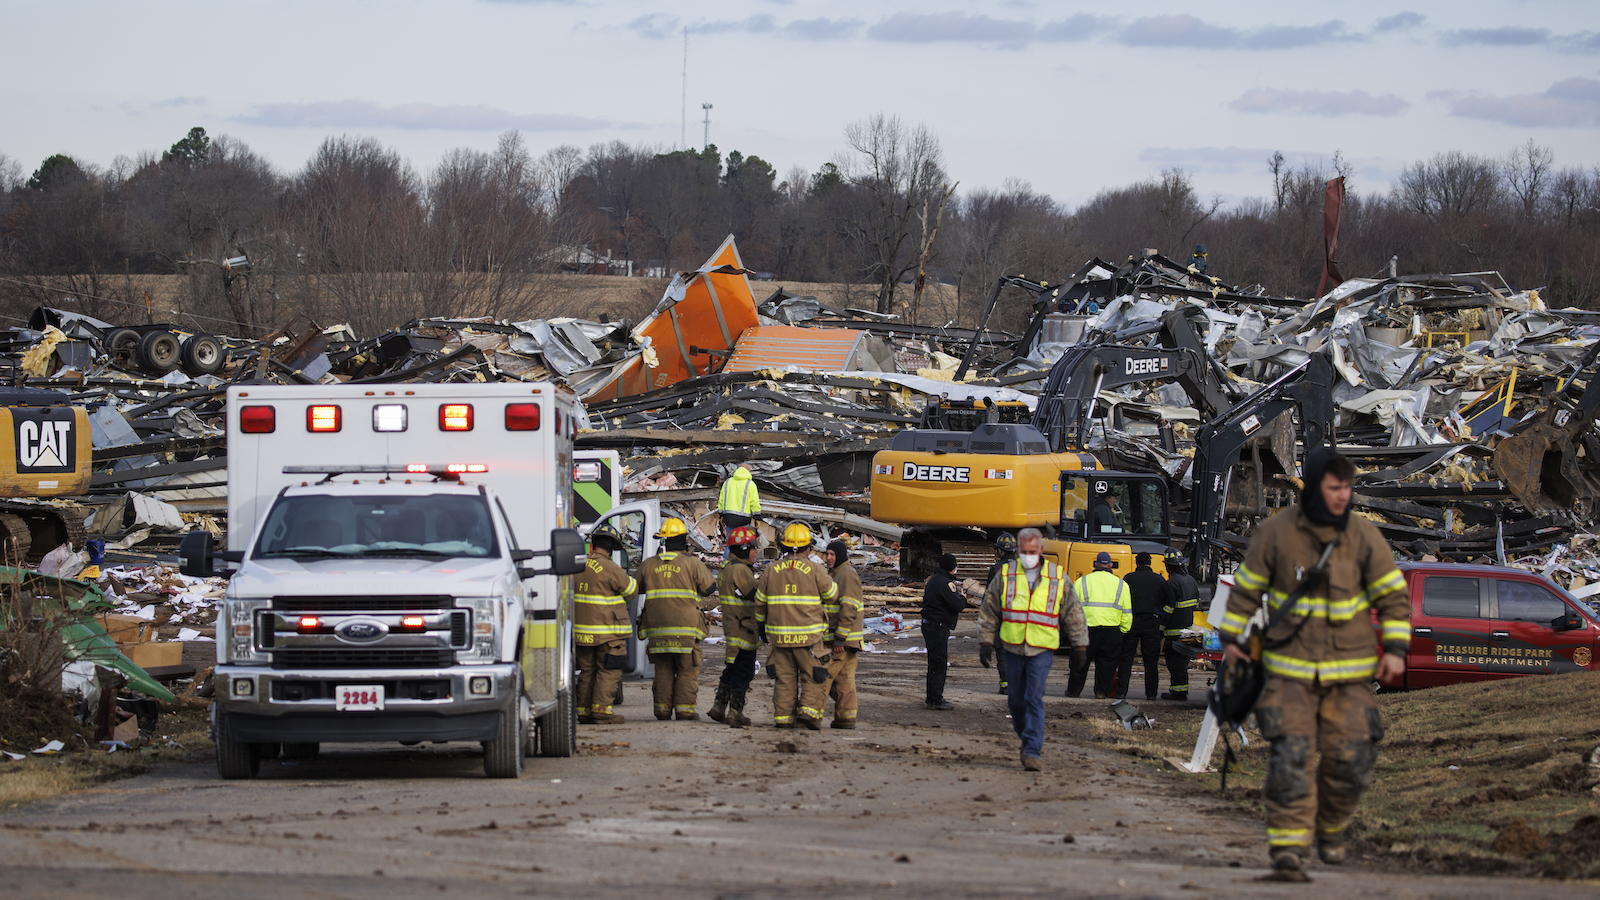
x=1476, y=623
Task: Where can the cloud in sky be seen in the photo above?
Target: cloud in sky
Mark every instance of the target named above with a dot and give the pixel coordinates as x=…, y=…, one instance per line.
x=411, y=116
x=928, y=28
x=1570, y=103
x=1184, y=30
x=655, y=25
x=1318, y=103
x=1515, y=36
x=822, y=29
x=1399, y=21
x=175, y=102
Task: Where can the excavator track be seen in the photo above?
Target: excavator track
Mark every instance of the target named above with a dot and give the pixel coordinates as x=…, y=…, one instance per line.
x=15, y=539
x=45, y=527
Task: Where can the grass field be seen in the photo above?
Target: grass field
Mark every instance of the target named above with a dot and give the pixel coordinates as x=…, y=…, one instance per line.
x=1458, y=769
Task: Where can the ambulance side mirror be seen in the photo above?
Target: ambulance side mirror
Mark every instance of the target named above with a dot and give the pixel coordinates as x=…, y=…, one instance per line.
x=197, y=560
x=568, y=554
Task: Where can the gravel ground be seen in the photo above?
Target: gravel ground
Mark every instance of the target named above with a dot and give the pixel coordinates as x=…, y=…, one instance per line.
x=913, y=803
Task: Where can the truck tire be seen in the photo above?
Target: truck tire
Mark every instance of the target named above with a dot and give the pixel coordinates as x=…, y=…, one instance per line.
x=203, y=355
x=122, y=340
x=159, y=351
x=301, y=751
x=502, y=757
x=558, y=728
x=235, y=759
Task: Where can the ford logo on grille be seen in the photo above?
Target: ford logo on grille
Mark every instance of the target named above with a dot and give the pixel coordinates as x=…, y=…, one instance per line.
x=360, y=630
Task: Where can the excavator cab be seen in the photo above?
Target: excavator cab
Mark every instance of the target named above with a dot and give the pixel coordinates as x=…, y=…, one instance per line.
x=1120, y=513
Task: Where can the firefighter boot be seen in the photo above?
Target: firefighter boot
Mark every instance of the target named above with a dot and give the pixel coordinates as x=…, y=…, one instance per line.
x=719, y=704
x=735, y=715
x=1287, y=865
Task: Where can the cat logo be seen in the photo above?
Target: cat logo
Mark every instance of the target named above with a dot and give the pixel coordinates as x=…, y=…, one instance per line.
x=46, y=439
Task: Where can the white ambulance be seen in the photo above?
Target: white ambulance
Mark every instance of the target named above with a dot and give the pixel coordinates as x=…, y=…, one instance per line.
x=380, y=537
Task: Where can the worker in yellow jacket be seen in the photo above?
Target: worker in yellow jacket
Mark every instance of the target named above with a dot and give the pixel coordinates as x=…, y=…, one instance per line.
x=1108, y=611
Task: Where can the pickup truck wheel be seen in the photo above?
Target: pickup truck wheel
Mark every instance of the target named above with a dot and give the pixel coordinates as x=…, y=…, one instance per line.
x=235, y=759
x=558, y=728
x=502, y=757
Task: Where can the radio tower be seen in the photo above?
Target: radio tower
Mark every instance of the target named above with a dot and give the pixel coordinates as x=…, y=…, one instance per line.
x=683, y=129
x=707, y=142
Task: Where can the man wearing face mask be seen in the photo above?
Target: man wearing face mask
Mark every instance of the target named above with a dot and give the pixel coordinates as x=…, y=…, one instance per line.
x=1320, y=659
x=1029, y=604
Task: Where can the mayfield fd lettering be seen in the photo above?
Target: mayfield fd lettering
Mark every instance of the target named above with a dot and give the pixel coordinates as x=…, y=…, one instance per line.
x=44, y=444
x=914, y=472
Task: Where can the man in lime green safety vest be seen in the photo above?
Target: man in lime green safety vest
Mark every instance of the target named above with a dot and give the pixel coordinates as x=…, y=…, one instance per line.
x=1108, y=609
x=1029, y=603
x=739, y=501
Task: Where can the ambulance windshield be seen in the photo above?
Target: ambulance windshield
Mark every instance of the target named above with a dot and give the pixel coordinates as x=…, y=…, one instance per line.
x=429, y=526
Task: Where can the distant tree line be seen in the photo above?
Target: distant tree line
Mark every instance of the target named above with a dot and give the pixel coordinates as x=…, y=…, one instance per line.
x=359, y=235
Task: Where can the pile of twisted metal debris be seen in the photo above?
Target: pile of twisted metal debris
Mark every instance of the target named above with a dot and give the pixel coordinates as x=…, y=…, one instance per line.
x=1463, y=400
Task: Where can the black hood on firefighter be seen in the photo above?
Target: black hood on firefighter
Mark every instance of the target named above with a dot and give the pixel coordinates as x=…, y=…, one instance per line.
x=1316, y=509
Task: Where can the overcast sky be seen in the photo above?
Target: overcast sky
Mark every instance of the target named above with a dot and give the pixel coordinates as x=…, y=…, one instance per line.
x=1070, y=96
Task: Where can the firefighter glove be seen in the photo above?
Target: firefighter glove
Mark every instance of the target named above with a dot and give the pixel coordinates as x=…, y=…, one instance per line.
x=819, y=674
x=1080, y=657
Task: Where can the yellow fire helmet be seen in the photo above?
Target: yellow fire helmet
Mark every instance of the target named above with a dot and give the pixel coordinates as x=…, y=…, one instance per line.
x=796, y=535
x=672, y=528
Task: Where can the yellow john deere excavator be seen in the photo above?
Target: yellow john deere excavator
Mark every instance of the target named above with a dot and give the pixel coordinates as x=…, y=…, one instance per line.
x=959, y=488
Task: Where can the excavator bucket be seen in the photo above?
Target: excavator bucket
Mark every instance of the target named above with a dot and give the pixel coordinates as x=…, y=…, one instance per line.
x=1540, y=467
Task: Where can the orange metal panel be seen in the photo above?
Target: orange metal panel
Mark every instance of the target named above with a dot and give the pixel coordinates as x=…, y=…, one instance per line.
x=776, y=346
x=715, y=308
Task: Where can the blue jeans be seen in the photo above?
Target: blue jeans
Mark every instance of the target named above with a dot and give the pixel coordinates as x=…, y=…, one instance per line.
x=1025, y=697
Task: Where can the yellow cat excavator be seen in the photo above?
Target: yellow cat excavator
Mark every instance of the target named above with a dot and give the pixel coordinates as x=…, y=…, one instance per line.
x=45, y=451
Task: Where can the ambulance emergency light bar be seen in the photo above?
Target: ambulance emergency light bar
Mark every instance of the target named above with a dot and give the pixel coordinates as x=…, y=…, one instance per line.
x=439, y=470
x=328, y=418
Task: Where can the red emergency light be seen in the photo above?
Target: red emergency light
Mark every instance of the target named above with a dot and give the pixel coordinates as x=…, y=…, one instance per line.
x=309, y=623
x=455, y=417
x=322, y=418
x=411, y=622
x=257, y=419
x=417, y=468
x=522, y=417
x=458, y=468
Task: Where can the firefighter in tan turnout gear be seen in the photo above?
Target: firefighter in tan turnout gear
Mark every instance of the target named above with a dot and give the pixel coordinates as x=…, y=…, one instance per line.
x=844, y=611
x=1320, y=659
x=736, y=591
x=790, y=614
x=601, y=628
x=674, y=580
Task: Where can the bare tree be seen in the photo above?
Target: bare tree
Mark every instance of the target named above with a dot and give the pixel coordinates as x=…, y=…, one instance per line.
x=925, y=245
x=892, y=169
x=1527, y=171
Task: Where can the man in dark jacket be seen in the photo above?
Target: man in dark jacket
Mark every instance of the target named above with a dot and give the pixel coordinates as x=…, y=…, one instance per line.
x=1184, y=602
x=942, y=603
x=1150, y=595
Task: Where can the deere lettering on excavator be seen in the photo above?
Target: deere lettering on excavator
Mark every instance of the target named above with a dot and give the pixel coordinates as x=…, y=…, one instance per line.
x=44, y=452
x=956, y=488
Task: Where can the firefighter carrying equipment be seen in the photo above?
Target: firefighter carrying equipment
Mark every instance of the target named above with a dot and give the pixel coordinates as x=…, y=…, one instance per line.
x=743, y=536
x=1032, y=617
x=672, y=527
x=739, y=495
x=796, y=534
x=1324, y=634
x=1106, y=601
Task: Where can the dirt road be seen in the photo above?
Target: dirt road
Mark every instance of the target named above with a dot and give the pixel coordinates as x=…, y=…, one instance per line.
x=914, y=803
